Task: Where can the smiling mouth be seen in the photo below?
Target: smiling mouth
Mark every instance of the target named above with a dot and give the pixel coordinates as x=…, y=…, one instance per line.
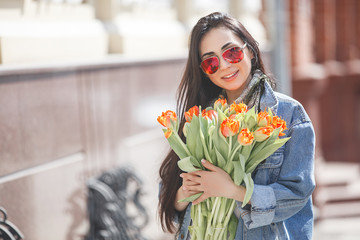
x=227, y=77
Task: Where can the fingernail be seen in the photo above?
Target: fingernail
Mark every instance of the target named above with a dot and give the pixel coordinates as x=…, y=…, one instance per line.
x=181, y=175
x=203, y=161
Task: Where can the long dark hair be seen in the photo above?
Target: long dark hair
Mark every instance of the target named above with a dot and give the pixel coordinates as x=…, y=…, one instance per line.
x=196, y=89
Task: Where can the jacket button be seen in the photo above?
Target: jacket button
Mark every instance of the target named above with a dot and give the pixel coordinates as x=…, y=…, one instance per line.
x=182, y=236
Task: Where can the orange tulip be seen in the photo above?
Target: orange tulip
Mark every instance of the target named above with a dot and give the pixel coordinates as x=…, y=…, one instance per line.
x=263, y=133
x=229, y=127
x=220, y=103
x=264, y=119
x=168, y=133
x=238, y=108
x=210, y=114
x=232, y=116
x=279, y=123
x=245, y=137
x=167, y=119
x=192, y=111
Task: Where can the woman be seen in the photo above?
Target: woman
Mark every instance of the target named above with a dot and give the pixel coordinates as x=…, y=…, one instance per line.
x=225, y=60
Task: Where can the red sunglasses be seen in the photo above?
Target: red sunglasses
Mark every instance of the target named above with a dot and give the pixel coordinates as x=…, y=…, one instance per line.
x=232, y=55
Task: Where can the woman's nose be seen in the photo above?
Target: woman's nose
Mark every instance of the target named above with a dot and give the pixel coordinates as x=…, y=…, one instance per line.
x=224, y=64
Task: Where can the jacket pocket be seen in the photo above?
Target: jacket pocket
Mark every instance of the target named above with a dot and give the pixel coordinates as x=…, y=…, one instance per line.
x=268, y=171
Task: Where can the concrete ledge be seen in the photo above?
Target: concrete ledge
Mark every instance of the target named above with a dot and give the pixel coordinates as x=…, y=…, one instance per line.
x=140, y=37
x=24, y=41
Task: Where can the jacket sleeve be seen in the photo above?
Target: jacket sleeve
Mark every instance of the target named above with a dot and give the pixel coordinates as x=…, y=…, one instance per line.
x=289, y=194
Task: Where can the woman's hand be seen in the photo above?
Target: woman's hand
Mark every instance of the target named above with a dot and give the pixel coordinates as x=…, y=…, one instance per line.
x=184, y=191
x=214, y=183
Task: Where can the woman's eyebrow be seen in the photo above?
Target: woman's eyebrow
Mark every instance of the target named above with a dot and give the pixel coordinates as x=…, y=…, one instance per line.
x=226, y=45
x=222, y=48
x=208, y=53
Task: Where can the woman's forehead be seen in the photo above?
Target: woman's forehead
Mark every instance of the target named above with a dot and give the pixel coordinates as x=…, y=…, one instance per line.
x=216, y=38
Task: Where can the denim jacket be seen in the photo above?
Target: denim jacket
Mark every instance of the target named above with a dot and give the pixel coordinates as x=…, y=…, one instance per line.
x=281, y=204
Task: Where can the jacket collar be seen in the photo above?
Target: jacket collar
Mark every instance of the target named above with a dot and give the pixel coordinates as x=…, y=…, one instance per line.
x=268, y=99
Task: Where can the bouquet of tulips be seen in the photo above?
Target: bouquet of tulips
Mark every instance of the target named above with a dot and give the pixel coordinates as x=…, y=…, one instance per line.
x=233, y=138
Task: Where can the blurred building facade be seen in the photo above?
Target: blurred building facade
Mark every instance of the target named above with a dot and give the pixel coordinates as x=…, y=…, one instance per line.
x=81, y=84
x=325, y=52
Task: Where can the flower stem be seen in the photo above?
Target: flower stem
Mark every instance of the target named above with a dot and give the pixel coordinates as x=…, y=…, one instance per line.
x=230, y=143
x=234, y=152
x=182, y=144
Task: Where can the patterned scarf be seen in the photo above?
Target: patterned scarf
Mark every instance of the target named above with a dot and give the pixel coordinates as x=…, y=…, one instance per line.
x=253, y=91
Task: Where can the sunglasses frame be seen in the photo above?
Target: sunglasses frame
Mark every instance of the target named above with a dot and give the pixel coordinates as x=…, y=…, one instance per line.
x=241, y=49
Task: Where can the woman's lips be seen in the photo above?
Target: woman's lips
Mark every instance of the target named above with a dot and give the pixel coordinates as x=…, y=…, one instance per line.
x=230, y=76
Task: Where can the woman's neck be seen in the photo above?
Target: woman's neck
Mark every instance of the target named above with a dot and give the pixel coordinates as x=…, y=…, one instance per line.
x=232, y=95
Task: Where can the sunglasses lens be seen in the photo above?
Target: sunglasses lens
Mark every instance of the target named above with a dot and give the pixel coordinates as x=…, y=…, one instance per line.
x=210, y=65
x=233, y=55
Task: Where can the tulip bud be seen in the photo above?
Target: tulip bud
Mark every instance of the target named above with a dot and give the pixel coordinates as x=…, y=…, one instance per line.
x=209, y=114
x=229, y=127
x=263, y=133
x=192, y=111
x=168, y=119
x=279, y=123
x=238, y=108
x=245, y=137
x=264, y=119
x=221, y=104
x=168, y=133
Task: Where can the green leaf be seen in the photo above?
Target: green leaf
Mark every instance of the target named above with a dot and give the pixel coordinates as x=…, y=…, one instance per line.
x=235, y=142
x=177, y=145
x=191, y=198
x=221, y=116
x=242, y=162
x=233, y=223
x=263, y=154
x=196, y=163
x=249, y=183
x=220, y=142
x=250, y=119
x=238, y=173
x=192, y=133
x=204, y=126
x=259, y=146
x=239, y=170
x=203, y=134
x=221, y=162
x=186, y=164
x=211, y=130
x=199, y=151
x=246, y=151
x=212, y=154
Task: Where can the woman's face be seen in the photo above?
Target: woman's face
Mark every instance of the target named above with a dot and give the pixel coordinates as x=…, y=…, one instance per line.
x=230, y=76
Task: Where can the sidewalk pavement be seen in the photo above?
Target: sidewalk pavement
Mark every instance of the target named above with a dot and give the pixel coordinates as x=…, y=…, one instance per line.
x=337, y=229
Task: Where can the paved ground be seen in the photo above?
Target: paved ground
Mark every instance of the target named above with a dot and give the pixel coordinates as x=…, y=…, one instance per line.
x=338, y=229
